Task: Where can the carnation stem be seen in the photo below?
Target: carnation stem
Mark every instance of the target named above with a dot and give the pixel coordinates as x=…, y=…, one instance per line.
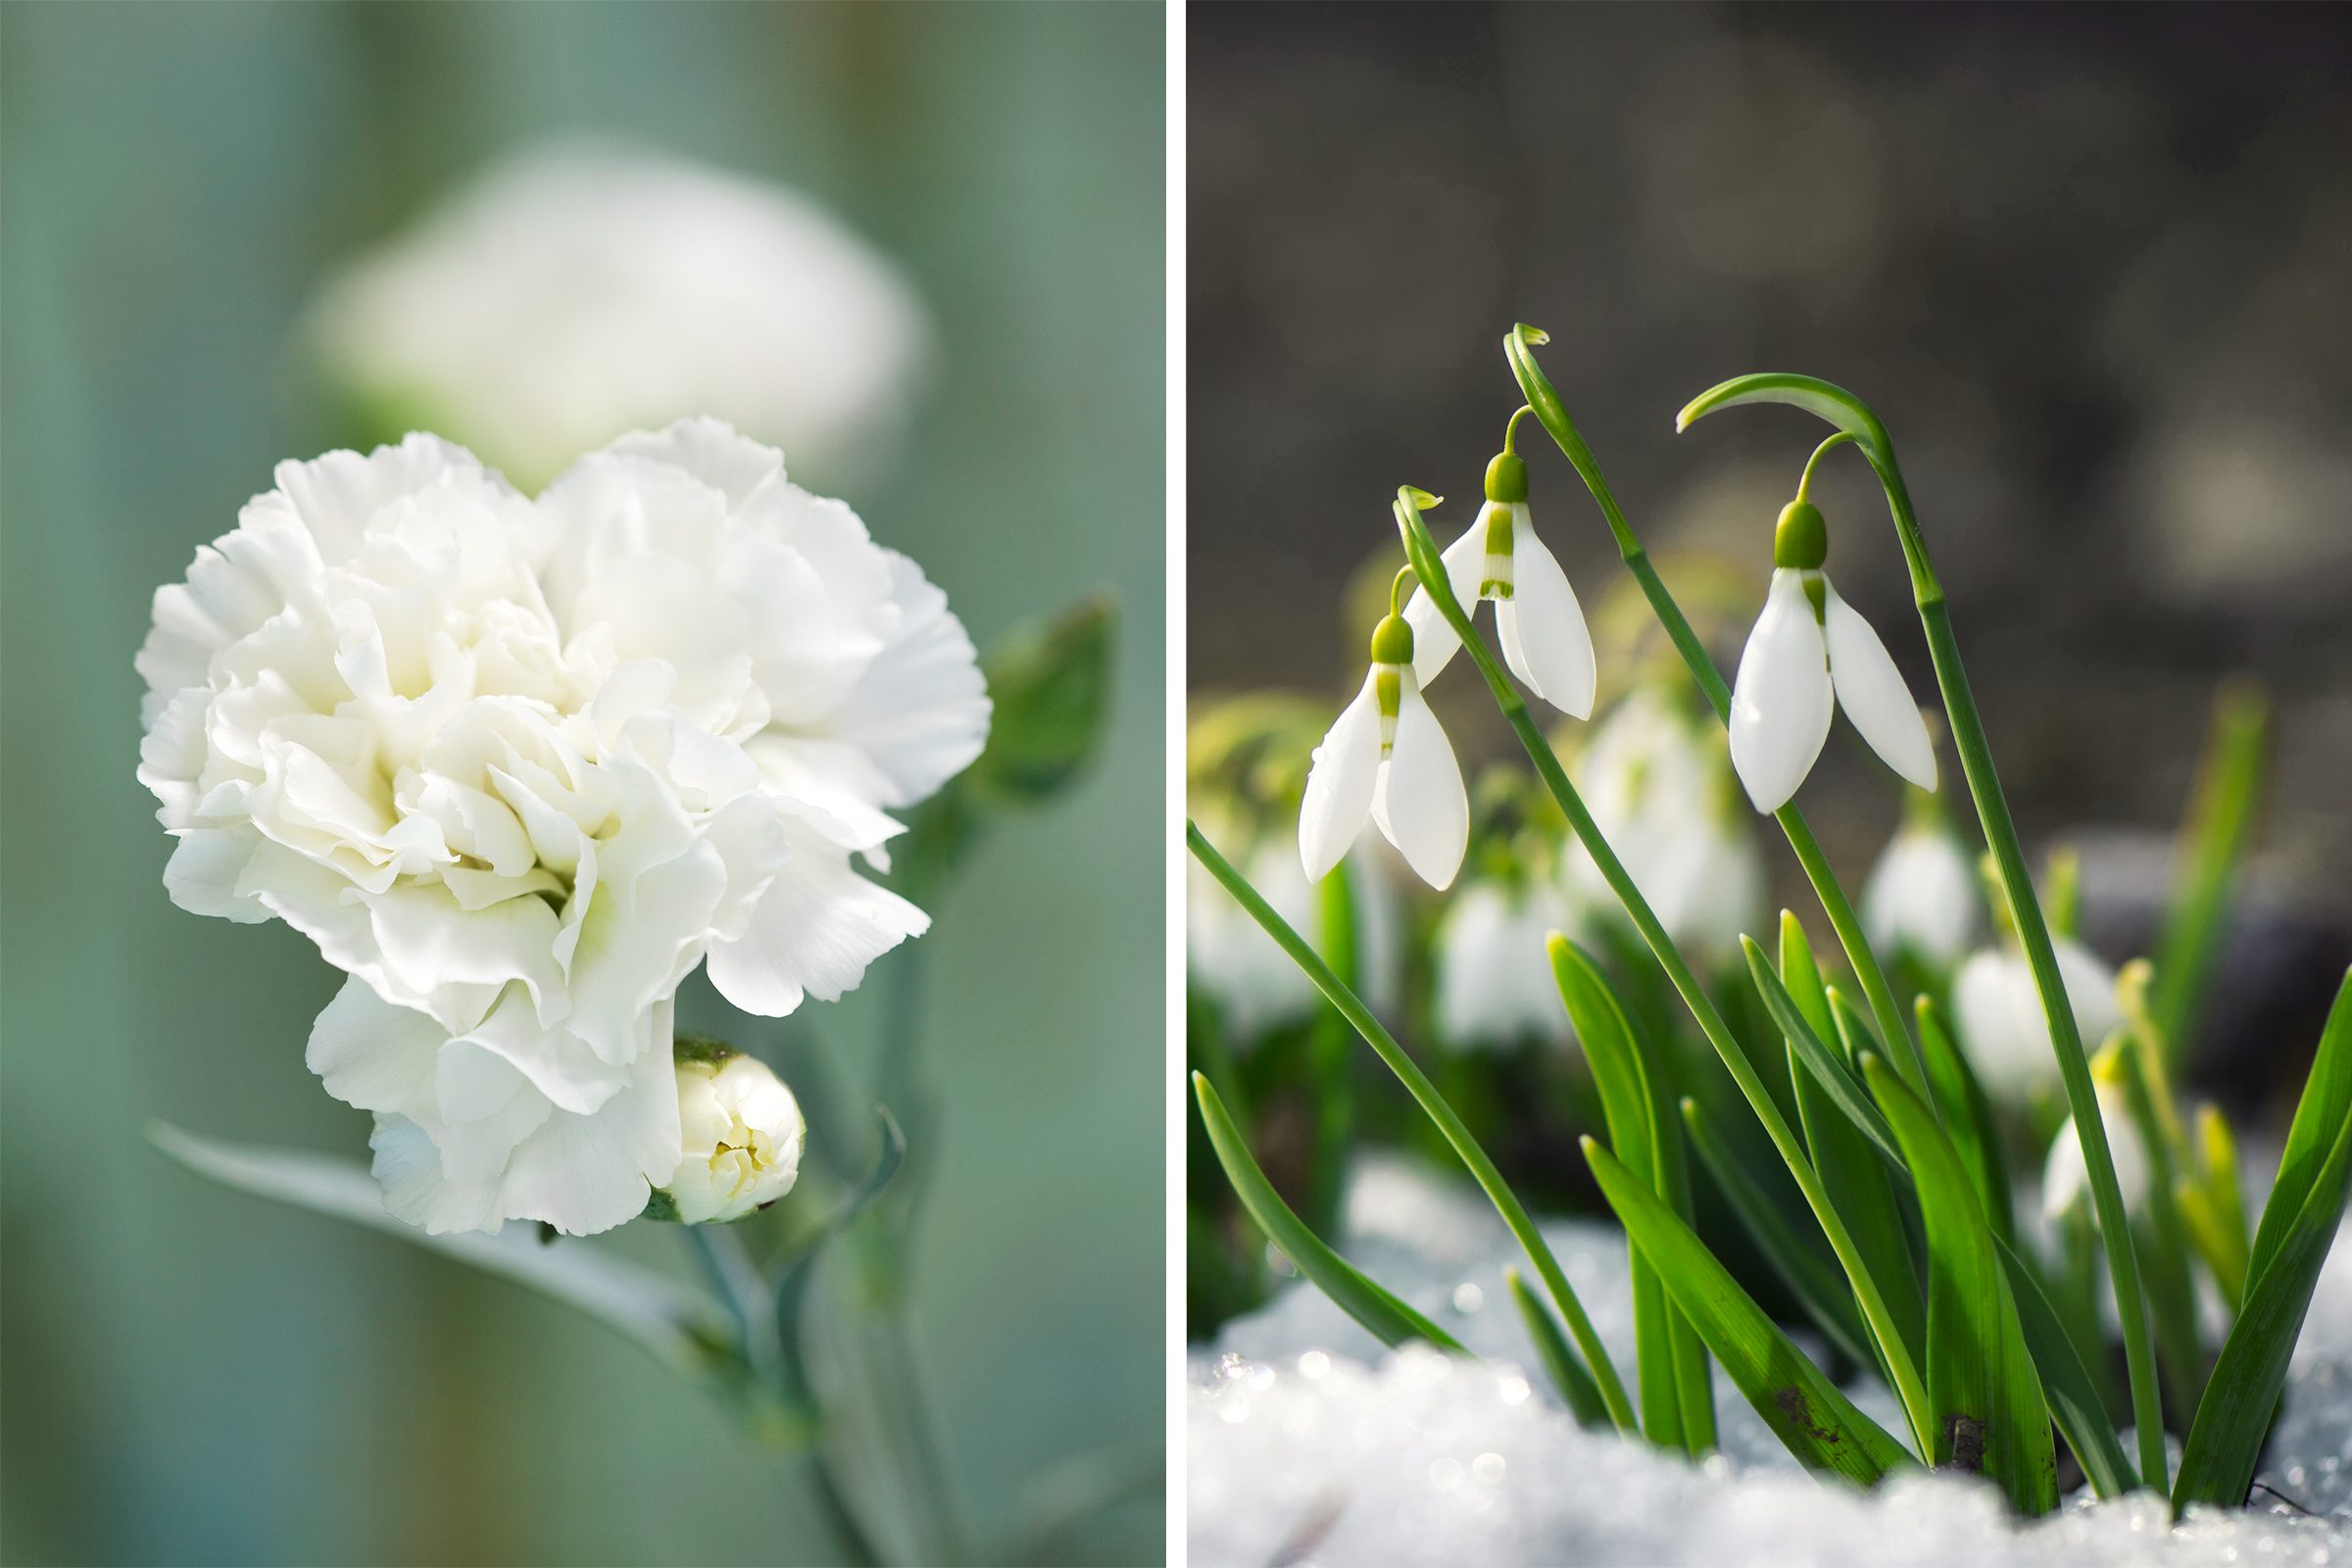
x=1849, y=412
x=1901, y=1370
x=1891, y=1023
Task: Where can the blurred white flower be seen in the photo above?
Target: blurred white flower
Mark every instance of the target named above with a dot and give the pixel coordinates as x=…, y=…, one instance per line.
x=1255, y=986
x=1494, y=985
x=2065, y=1176
x=1658, y=783
x=1537, y=616
x=2001, y=1024
x=1809, y=647
x=582, y=289
x=517, y=768
x=741, y=1132
x=1387, y=759
x=1923, y=895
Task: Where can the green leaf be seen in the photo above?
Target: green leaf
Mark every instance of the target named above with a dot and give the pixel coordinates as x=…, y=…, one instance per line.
x=2323, y=1111
x=2228, y=788
x=1849, y=1167
x=1568, y=1374
x=1386, y=1318
x=2066, y=1386
x=1648, y=1139
x=1819, y=1425
x=2234, y=1415
x=1827, y=1068
x=1808, y=1271
x=2298, y=1226
x=682, y=1328
x=1050, y=679
x=1990, y=1416
x=1968, y=1117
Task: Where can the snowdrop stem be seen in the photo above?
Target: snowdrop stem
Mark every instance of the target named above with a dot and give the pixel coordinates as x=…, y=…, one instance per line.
x=1510, y=431
x=1404, y=576
x=1902, y=1371
x=1433, y=1104
x=1842, y=409
x=1804, y=480
x=1894, y=1023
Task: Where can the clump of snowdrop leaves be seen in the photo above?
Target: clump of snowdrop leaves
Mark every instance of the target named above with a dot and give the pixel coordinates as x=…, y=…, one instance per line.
x=518, y=766
x=581, y=288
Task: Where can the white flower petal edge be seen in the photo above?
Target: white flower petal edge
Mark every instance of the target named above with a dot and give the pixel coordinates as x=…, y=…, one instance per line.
x=1339, y=783
x=1872, y=692
x=2066, y=1175
x=742, y=1133
x=1420, y=802
x=1782, y=697
x=1922, y=896
x=1433, y=641
x=1542, y=627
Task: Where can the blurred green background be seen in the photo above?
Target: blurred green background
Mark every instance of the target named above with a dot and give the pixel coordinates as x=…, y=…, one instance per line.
x=195, y=1376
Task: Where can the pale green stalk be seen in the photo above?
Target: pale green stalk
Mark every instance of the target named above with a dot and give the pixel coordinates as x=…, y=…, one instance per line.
x=1845, y=412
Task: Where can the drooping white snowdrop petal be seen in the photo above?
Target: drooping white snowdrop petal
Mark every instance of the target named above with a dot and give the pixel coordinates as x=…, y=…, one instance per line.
x=1923, y=897
x=1433, y=641
x=1420, y=803
x=1494, y=984
x=1542, y=627
x=1339, y=783
x=2066, y=1175
x=1782, y=698
x=2002, y=1026
x=1872, y=692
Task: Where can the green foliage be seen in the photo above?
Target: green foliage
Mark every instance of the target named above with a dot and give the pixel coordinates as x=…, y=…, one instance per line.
x=1567, y=1373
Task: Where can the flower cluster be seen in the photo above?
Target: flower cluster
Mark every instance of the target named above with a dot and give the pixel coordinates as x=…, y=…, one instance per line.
x=518, y=766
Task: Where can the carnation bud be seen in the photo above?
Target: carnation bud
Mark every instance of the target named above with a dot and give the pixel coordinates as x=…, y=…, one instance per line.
x=742, y=1134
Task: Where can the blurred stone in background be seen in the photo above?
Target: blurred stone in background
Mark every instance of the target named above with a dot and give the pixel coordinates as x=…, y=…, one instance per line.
x=2093, y=265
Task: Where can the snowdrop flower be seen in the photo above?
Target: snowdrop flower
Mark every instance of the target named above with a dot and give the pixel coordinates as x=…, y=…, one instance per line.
x=1385, y=756
x=1809, y=647
x=2001, y=1023
x=741, y=1134
x=1256, y=987
x=1659, y=785
x=1923, y=895
x=582, y=289
x=1494, y=984
x=1537, y=616
x=2065, y=1176
x=519, y=767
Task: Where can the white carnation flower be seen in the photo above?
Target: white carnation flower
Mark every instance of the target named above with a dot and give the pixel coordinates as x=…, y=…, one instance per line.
x=580, y=289
x=742, y=1133
x=519, y=767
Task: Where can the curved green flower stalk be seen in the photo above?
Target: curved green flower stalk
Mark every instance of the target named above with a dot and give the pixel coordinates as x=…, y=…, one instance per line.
x=1552, y=415
x=1843, y=411
x=1903, y=1370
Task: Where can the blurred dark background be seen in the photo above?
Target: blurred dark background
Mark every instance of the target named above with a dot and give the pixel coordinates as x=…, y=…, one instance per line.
x=2092, y=265
x=194, y=1376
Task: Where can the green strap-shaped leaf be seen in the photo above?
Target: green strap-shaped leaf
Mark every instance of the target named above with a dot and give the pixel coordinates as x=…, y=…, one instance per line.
x=1819, y=1425
x=2066, y=1383
x=1567, y=1373
x=2319, y=1115
x=1848, y=1166
x=1808, y=1271
x=1827, y=1068
x=2298, y=1226
x=1387, y=1319
x=682, y=1328
x=1990, y=1416
x=1627, y=1103
x=1968, y=1117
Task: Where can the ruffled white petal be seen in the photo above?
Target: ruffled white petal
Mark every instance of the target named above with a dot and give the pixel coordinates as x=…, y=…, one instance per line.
x=1872, y=692
x=1542, y=627
x=1782, y=697
x=1433, y=641
x=1419, y=803
x=1339, y=784
x=813, y=933
x=920, y=712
